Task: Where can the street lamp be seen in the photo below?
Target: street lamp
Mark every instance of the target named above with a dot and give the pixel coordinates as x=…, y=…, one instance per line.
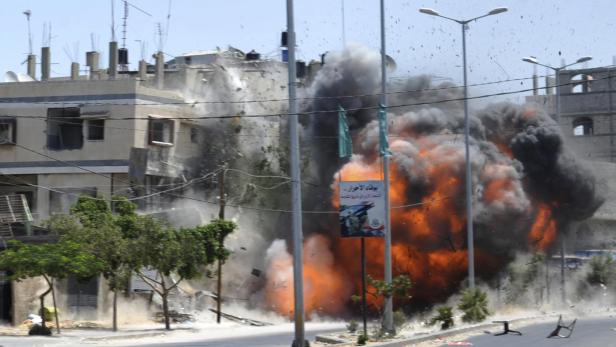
x=557, y=71
x=469, y=192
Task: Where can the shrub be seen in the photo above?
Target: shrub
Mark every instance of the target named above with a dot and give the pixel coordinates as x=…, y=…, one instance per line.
x=362, y=339
x=352, y=326
x=39, y=330
x=445, y=316
x=474, y=304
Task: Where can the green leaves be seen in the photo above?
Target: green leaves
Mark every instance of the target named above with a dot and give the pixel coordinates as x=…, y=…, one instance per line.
x=57, y=260
x=474, y=304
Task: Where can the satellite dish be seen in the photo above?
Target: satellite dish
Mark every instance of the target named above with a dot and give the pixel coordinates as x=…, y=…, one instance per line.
x=10, y=76
x=22, y=77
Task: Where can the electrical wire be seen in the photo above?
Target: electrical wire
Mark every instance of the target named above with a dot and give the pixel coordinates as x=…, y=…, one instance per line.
x=323, y=112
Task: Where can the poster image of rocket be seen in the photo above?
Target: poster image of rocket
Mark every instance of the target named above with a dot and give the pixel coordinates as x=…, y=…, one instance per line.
x=362, y=209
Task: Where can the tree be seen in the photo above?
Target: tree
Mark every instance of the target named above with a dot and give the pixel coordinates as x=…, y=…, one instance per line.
x=399, y=287
x=101, y=235
x=170, y=251
x=474, y=304
x=50, y=261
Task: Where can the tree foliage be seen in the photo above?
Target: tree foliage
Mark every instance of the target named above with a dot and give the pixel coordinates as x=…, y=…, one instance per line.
x=474, y=304
x=602, y=270
x=50, y=261
x=183, y=252
x=444, y=316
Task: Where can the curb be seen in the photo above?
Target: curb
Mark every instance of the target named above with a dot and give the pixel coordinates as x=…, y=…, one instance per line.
x=121, y=337
x=441, y=334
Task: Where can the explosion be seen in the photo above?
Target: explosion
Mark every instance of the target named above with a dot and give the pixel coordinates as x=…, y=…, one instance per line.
x=526, y=187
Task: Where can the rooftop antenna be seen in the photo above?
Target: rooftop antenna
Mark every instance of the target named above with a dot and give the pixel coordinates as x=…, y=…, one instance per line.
x=113, y=38
x=343, y=26
x=28, y=13
x=124, y=20
x=93, y=42
x=168, y=20
x=160, y=36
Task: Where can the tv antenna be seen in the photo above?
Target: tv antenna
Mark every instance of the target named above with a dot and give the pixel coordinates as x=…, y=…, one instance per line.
x=28, y=13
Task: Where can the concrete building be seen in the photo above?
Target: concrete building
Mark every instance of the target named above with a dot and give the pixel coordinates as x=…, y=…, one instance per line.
x=129, y=133
x=588, y=122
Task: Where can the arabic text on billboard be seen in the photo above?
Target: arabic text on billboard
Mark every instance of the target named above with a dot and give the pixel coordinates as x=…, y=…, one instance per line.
x=362, y=209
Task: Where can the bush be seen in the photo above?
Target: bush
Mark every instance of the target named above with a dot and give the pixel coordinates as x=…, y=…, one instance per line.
x=362, y=339
x=474, y=304
x=445, y=316
x=399, y=319
x=601, y=270
x=39, y=330
x=352, y=326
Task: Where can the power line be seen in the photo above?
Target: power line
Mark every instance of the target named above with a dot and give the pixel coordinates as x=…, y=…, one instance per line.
x=197, y=102
x=321, y=112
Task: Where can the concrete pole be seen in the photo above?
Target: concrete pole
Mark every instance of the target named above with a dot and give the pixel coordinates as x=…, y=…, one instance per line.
x=143, y=69
x=113, y=60
x=45, y=63
x=388, y=322
x=469, y=178
x=74, y=71
x=296, y=193
x=32, y=66
x=160, y=70
x=563, y=294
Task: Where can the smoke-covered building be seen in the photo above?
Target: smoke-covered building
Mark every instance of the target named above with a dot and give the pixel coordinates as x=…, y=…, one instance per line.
x=587, y=121
x=134, y=133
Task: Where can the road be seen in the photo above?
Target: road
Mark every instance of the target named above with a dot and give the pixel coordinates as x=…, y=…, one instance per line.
x=260, y=339
x=270, y=340
x=587, y=333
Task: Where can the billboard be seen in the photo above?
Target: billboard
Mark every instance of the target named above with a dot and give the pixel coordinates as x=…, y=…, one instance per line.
x=362, y=209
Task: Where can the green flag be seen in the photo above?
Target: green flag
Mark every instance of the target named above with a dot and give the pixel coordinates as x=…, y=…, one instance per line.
x=345, y=147
x=383, y=143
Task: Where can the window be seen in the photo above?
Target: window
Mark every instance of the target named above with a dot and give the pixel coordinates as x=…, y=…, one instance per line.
x=161, y=131
x=64, y=129
x=581, y=83
x=582, y=126
x=194, y=135
x=96, y=129
x=7, y=131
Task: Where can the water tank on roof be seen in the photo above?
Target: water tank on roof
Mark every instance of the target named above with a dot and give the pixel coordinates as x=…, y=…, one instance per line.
x=123, y=56
x=300, y=69
x=253, y=55
x=283, y=39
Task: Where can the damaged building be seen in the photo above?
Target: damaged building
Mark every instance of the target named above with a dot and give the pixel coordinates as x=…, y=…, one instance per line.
x=131, y=133
x=587, y=121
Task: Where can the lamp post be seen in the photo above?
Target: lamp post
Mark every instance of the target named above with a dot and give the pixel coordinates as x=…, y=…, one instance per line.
x=557, y=71
x=469, y=191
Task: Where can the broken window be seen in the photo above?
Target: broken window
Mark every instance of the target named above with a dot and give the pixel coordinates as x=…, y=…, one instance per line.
x=160, y=131
x=96, y=129
x=581, y=83
x=7, y=131
x=64, y=129
x=582, y=126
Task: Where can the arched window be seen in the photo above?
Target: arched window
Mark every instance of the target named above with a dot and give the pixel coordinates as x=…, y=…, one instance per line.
x=582, y=126
x=581, y=83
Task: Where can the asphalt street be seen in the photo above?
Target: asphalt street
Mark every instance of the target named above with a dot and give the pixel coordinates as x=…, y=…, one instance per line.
x=270, y=340
x=595, y=332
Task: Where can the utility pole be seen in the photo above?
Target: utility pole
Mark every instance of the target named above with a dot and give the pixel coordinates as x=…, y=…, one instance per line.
x=388, y=321
x=221, y=216
x=296, y=192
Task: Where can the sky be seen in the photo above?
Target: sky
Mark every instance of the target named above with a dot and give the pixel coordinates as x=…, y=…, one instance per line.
x=552, y=30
